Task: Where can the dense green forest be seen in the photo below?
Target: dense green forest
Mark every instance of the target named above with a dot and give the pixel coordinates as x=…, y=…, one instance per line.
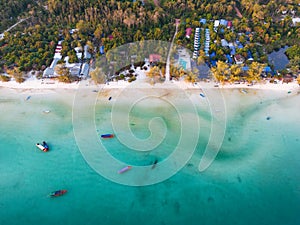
x=31, y=44
x=11, y=10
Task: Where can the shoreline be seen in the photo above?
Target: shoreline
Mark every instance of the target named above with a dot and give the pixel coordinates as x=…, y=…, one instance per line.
x=50, y=84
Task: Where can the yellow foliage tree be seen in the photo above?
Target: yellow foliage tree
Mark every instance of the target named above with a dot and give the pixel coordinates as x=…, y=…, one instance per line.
x=255, y=71
x=221, y=72
x=98, y=76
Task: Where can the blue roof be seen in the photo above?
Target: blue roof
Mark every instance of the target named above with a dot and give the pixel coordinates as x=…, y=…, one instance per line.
x=213, y=62
x=102, y=49
x=223, y=22
x=267, y=69
x=249, y=54
x=245, y=68
x=229, y=58
x=240, y=46
x=232, y=52
x=203, y=21
x=213, y=54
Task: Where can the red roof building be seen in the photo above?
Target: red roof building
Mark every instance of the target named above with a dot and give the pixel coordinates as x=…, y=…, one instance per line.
x=154, y=58
x=188, y=32
x=229, y=24
x=238, y=59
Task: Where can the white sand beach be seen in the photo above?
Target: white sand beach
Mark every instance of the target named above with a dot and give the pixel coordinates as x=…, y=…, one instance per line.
x=44, y=84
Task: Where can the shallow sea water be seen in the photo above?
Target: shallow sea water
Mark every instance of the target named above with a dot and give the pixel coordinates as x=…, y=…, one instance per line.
x=254, y=179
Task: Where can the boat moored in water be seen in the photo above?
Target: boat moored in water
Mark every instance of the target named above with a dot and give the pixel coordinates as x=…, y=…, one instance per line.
x=107, y=135
x=126, y=168
x=57, y=193
x=43, y=147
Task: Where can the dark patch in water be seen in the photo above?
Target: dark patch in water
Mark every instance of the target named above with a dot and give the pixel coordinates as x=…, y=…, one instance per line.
x=190, y=165
x=239, y=178
x=229, y=139
x=154, y=163
x=164, y=202
x=132, y=205
x=210, y=199
x=268, y=118
x=177, y=207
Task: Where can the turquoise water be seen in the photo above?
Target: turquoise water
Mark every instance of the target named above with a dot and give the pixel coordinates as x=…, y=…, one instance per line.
x=254, y=180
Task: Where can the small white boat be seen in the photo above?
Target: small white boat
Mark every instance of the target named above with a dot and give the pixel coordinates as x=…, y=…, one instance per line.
x=46, y=111
x=43, y=147
x=244, y=91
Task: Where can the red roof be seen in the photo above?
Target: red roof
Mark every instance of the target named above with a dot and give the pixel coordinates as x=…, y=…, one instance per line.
x=154, y=58
x=188, y=31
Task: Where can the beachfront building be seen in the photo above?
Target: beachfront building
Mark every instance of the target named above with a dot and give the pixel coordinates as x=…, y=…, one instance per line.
x=207, y=41
x=184, y=60
x=238, y=59
x=84, y=70
x=196, y=43
x=49, y=71
x=86, y=54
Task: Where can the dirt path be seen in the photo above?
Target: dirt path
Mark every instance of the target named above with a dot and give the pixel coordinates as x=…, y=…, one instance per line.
x=16, y=24
x=168, y=59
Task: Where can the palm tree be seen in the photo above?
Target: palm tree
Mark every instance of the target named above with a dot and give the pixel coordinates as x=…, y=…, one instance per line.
x=221, y=72
x=255, y=71
x=235, y=71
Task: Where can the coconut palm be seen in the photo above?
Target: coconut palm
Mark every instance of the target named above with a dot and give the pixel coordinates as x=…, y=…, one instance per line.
x=221, y=72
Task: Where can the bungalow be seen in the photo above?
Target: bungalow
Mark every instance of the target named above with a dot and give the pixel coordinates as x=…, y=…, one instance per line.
x=216, y=23
x=229, y=24
x=238, y=59
x=101, y=49
x=188, y=32
x=240, y=46
x=203, y=21
x=224, y=43
x=296, y=20
x=229, y=59
x=249, y=55
x=154, y=58
x=110, y=37
x=287, y=78
x=72, y=31
x=223, y=22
